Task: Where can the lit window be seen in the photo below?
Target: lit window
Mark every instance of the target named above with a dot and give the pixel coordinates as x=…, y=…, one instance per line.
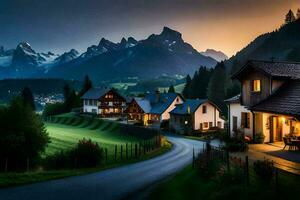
x=205, y=124
x=256, y=86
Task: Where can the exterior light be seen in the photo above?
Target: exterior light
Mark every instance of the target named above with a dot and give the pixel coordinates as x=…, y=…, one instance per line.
x=283, y=119
x=186, y=122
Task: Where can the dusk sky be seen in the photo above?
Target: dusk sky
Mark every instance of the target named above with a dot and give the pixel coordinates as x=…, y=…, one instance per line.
x=59, y=25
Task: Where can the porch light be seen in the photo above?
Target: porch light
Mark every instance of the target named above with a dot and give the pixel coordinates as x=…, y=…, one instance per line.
x=283, y=119
x=185, y=122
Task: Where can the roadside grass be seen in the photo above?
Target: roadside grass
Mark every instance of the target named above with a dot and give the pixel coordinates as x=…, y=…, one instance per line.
x=15, y=179
x=65, y=131
x=189, y=184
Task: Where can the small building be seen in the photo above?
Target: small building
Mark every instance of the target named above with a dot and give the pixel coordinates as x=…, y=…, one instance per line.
x=269, y=103
x=154, y=108
x=103, y=102
x=196, y=114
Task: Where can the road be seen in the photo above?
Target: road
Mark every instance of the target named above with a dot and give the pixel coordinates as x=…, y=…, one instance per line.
x=115, y=183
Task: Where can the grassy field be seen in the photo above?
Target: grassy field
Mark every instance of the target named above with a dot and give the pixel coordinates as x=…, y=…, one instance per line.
x=178, y=88
x=65, y=131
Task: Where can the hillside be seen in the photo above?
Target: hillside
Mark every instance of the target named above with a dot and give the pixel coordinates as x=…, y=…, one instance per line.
x=280, y=45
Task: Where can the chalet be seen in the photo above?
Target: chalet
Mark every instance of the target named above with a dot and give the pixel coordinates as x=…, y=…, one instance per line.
x=103, y=102
x=195, y=114
x=269, y=102
x=153, y=108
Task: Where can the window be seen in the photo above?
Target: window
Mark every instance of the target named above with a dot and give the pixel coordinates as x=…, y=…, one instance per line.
x=90, y=102
x=210, y=124
x=245, y=123
x=256, y=86
x=204, y=109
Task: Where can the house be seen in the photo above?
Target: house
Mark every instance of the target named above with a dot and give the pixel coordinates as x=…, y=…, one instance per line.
x=153, y=108
x=195, y=114
x=269, y=103
x=103, y=102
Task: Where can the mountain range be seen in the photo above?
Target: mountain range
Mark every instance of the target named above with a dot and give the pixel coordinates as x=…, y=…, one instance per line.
x=162, y=54
x=217, y=55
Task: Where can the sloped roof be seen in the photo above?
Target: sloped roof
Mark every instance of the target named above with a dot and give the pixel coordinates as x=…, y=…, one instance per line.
x=286, y=100
x=162, y=103
x=144, y=104
x=189, y=104
x=235, y=99
x=95, y=93
x=286, y=70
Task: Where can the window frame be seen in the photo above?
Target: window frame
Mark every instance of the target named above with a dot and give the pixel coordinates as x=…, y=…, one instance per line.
x=254, y=87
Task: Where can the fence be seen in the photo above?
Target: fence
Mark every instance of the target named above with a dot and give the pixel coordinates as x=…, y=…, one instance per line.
x=246, y=165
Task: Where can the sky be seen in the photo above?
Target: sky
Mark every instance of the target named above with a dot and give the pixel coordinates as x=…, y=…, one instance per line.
x=59, y=25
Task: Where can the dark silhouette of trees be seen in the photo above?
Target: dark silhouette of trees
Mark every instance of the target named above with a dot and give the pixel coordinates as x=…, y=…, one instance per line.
x=186, y=91
x=27, y=97
x=171, y=89
x=87, y=84
x=290, y=17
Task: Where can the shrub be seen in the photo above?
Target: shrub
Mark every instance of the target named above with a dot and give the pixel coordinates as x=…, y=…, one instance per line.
x=85, y=154
x=264, y=170
x=207, y=167
x=259, y=138
x=236, y=144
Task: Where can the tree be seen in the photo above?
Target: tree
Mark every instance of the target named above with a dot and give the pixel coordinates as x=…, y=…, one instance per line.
x=298, y=13
x=87, y=84
x=216, y=86
x=187, y=87
x=171, y=89
x=290, y=17
x=23, y=135
x=28, y=98
x=67, y=91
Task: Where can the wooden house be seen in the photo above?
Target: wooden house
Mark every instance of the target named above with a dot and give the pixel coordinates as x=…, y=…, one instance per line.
x=269, y=103
x=103, y=102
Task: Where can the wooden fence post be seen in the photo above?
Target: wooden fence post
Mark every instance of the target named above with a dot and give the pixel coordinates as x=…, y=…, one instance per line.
x=227, y=160
x=106, y=155
x=126, y=151
x=144, y=147
x=27, y=164
x=247, y=170
x=136, y=150
x=121, y=152
x=116, y=148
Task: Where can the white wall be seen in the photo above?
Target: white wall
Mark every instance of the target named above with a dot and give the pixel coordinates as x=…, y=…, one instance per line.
x=88, y=109
x=236, y=110
x=166, y=115
x=209, y=116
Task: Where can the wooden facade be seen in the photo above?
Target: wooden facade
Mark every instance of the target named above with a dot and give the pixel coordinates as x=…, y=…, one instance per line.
x=111, y=104
x=134, y=112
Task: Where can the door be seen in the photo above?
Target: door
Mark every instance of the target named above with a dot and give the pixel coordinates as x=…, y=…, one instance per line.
x=234, y=123
x=275, y=129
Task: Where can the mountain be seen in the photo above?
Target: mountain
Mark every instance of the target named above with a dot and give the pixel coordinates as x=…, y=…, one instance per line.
x=162, y=54
x=217, y=55
x=24, y=61
x=280, y=45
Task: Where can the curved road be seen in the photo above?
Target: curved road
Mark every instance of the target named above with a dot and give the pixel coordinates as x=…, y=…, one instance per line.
x=113, y=183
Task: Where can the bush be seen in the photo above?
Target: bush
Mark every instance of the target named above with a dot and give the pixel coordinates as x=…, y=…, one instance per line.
x=236, y=144
x=207, y=167
x=85, y=154
x=264, y=170
x=259, y=138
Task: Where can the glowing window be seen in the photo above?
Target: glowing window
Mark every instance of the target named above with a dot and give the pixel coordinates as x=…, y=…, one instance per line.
x=256, y=86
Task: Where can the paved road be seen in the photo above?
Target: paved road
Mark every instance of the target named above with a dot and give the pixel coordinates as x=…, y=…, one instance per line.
x=114, y=183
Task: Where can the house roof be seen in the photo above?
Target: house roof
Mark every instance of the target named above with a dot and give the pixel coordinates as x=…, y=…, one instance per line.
x=160, y=102
x=284, y=70
x=235, y=99
x=189, y=104
x=95, y=93
x=286, y=100
x=144, y=104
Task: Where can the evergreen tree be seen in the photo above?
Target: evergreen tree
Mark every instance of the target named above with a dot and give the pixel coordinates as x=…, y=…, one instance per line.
x=67, y=91
x=298, y=13
x=187, y=87
x=27, y=97
x=87, y=84
x=216, y=86
x=171, y=89
x=290, y=17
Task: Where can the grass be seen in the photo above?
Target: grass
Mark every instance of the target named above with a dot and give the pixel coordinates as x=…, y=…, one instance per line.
x=65, y=133
x=189, y=184
x=14, y=179
x=67, y=130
